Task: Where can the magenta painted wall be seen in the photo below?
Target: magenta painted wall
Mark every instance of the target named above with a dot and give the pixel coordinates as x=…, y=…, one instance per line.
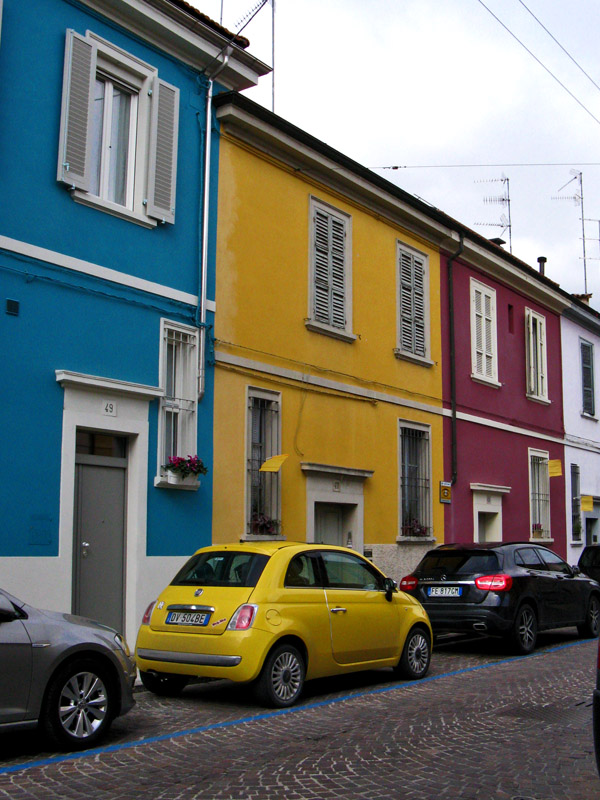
x=500, y=457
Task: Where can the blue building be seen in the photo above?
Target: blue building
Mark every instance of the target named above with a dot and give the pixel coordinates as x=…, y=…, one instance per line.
x=108, y=191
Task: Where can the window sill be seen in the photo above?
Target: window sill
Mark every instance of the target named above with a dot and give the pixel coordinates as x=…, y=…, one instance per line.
x=591, y=417
x=415, y=539
x=576, y=543
x=494, y=384
x=189, y=484
x=536, y=399
x=116, y=210
x=259, y=537
x=328, y=330
x=402, y=355
x=541, y=540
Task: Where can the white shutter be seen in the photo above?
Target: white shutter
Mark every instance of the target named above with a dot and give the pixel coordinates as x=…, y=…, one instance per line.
x=162, y=169
x=76, y=113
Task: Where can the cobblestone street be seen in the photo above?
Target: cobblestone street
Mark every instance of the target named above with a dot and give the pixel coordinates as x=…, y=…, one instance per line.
x=482, y=725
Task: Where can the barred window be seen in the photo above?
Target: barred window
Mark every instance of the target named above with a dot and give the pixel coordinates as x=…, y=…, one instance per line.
x=179, y=368
x=263, y=487
x=575, y=503
x=415, y=482
x=539, y=495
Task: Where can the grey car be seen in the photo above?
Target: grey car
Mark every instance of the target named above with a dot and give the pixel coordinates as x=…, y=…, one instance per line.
x=69, y=675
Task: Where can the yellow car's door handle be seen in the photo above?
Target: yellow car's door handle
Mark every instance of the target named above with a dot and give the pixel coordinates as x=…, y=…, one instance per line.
x=338, y=610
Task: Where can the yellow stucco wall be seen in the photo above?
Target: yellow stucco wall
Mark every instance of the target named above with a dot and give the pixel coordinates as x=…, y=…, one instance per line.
x=262, y=300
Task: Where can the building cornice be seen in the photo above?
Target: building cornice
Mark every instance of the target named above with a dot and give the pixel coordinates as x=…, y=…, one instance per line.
x=184, y=35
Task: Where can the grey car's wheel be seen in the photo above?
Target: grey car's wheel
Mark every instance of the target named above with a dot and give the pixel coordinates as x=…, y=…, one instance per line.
x=524, y=631
x=282, y=678
x=80, y=704
x=416, y=655
x=591, y=627
x=164, y=685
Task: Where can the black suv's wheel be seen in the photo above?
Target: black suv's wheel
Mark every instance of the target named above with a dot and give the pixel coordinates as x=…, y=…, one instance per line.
x=80, y=704
x=282, y=678
x=164, y=685
x=416, y=655
x=524, y=631
x=591, y=627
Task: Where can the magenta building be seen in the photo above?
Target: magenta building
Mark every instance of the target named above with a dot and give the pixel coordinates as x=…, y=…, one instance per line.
x=502, y=385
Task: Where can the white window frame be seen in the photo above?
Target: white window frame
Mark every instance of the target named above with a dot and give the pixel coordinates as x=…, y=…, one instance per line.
x=536, y=356
x=539, y=507
x=272, y=480
x=412, y=280
x=426, y=502
x=336, y=317
x=153, y=137
x=185, y=399
x=484, y=334
x=590, y=388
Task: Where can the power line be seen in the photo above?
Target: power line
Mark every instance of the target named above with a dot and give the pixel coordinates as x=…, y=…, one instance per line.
x=524, y=46
x=565, y=51
x=491, y=166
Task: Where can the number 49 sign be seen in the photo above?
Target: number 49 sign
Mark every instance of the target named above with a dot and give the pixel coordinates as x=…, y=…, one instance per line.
x=109, y=408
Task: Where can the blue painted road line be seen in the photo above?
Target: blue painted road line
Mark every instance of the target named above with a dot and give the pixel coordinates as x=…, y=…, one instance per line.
x=116, y=748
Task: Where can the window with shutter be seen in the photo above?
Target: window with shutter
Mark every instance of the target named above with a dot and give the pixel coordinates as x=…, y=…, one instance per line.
x=484, y=356
x=330, y=281
x=412, y=304
x=535, y=347
x=117, y=117
x=587, y=377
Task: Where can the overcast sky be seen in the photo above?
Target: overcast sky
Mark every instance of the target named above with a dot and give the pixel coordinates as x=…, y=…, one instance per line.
x=435, y=84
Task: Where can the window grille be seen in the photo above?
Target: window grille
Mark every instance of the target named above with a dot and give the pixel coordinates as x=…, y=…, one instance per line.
x=540, y=497
x=263, y=486
x=575, y=503
x=415, y=482
x=180, y=400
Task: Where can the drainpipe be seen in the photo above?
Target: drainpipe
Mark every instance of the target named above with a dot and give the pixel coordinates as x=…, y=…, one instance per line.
x=451, y=260
x=203, y=266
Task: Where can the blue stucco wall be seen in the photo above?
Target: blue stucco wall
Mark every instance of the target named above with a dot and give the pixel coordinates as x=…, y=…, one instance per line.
x=71, y=321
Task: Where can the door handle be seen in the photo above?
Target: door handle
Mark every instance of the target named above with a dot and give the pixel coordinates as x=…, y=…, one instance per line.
x=84, y=549
x=338, y=610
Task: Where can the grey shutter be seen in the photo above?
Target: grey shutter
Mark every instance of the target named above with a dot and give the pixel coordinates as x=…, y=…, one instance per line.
x=412, y=304
x=162, y=174
x=329, y=269
x=76, y=113
x=587, y=376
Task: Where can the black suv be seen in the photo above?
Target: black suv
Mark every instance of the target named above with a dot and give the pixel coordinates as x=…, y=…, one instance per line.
x=589, y=561
x=504, y=589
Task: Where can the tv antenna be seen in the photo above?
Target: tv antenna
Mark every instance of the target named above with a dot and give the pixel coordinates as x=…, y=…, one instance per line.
x=578, y=200
x=504, y=200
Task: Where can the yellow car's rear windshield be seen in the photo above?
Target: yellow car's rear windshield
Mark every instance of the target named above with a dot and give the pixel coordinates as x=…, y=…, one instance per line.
x=221, y=568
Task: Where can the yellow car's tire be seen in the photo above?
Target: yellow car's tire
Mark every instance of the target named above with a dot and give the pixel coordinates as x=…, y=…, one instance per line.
x=416, y=655
x=282, y=677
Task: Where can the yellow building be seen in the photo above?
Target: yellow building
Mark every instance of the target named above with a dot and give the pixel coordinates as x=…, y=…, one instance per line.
x=327, y=347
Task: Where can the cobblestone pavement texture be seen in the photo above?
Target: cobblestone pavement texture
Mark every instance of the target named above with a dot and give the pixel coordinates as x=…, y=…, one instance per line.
x=482, y=725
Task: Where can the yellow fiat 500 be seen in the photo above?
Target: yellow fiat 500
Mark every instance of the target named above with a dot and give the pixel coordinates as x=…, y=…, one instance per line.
x=277, y=613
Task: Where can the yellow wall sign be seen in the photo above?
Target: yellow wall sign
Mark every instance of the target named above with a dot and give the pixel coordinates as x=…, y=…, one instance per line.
x=587, y=502
x=555, y=468
x=273, y=464
x=445, y=492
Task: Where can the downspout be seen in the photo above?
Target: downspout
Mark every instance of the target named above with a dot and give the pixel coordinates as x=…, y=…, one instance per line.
x=203, y=266
x=453, y=439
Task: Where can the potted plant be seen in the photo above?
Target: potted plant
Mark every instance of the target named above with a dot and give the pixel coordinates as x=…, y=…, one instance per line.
x=184, y=471
x=262, y=525
x=414, y=528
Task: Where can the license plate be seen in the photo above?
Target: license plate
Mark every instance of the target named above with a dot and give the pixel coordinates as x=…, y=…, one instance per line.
x=444, y=591
x=187, y=618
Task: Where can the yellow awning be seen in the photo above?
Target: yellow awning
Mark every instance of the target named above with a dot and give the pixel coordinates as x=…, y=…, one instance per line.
x=273, y=464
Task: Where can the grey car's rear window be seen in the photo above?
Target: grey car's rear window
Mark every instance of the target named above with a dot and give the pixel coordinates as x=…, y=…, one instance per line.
x=459, y=563
x=221, y=568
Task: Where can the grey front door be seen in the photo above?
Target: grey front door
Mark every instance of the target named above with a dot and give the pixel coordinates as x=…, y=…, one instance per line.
x=329, y=524
x=99, y=545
